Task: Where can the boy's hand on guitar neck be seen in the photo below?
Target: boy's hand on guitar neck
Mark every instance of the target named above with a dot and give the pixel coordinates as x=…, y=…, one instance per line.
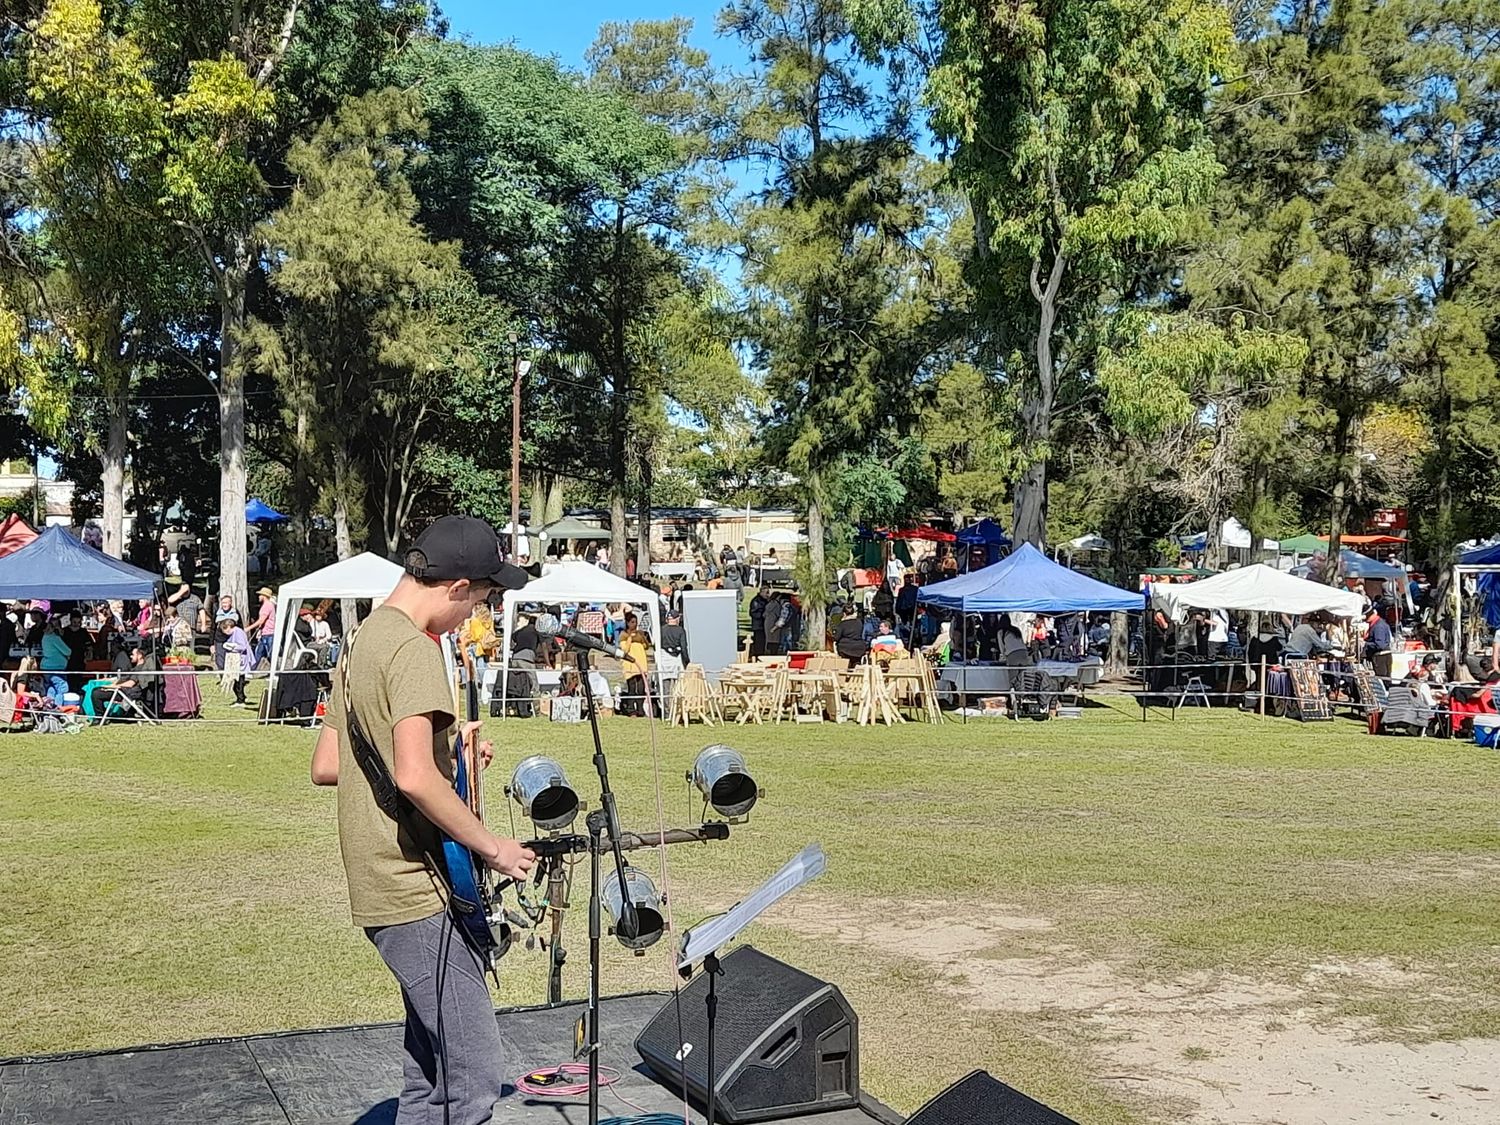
x=482, y=746
x=510, y=858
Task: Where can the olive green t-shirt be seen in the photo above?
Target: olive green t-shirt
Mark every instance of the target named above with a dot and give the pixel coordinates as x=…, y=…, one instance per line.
x=396, y=671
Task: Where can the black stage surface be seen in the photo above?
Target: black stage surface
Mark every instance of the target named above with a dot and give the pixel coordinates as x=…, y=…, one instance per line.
x=340, y=1076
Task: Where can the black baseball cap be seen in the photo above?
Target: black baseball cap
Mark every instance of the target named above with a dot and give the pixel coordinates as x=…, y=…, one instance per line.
x=456, y=547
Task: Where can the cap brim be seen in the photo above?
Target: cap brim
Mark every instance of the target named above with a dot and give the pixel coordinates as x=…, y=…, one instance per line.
x=510, y=577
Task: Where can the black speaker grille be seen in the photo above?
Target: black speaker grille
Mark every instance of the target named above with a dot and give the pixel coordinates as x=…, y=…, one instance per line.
x=790, y=1085
x=982, y=1100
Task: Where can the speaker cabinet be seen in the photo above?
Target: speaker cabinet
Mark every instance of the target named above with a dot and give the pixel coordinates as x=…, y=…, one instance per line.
x=981, y=1100
x=785, y=1042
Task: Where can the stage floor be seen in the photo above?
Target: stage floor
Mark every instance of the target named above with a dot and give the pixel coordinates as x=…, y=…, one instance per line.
x=339, y=1076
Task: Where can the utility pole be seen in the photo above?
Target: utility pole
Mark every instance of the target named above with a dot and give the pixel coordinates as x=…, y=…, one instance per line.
x=520, y=367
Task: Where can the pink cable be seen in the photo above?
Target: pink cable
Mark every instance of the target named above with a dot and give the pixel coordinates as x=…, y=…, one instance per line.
x=607, y=1077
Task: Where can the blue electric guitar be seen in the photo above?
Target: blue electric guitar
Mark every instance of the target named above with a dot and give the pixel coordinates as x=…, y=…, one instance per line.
x=475, y=890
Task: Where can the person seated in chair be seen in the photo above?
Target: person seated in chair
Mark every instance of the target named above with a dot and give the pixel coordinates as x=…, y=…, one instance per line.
x=849, y=638
x=140, y=680
x=1307, y=639
x=885, y=646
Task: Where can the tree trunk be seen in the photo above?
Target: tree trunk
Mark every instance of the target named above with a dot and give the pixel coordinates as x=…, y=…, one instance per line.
x=1030, y=509
x=343, y=540
x=302, y=490
x=643, y=515
x=815, y=597
x=620, y=405
x=1345, y=483
x=112, y=463
x=233, y=298
x=1259, y=486
x=1118, y=660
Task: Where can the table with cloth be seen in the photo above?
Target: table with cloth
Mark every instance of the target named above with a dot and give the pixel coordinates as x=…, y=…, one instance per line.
x=181, y=698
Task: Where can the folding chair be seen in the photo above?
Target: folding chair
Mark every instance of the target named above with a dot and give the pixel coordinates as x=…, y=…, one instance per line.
x=130, y=709
x=1196, y=691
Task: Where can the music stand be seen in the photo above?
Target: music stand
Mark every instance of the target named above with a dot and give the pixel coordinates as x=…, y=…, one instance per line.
x=704, y=941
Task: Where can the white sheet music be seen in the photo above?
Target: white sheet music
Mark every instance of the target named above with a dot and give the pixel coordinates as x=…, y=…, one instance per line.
x=714, y=934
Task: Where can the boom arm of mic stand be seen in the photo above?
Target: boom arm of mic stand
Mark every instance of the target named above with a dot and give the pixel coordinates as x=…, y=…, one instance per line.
x=548, y=846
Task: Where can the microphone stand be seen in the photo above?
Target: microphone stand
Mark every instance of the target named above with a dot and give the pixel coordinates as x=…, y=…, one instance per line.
x=605, y=820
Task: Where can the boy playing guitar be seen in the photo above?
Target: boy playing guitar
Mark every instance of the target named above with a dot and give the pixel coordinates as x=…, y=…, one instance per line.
x=395, y=690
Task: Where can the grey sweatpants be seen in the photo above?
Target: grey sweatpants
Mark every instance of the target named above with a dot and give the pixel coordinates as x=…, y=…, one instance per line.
x=448, y=1013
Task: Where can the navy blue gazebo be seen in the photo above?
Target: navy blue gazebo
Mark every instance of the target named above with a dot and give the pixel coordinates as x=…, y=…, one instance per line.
x=55, y=565
x=1027, y=581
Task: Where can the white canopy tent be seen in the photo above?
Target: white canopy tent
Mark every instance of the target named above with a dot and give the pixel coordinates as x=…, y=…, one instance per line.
x=1233, y=535
x=364, y=576
x=1257, y=588
x=779, y=537
x=575, y=583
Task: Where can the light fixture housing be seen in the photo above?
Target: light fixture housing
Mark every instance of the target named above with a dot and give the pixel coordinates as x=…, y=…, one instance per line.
x=643, y=896
x=540, y=786
x=721, y=775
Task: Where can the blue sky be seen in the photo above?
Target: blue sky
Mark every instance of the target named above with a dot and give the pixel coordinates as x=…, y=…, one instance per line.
x=565, y=28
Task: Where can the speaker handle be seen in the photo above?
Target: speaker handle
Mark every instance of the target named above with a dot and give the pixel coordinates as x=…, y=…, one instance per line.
x=784, y=1048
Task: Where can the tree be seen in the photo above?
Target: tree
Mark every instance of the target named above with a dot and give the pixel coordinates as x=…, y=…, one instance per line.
x=99, y=273
x=368, y=338
x=1448, y=115
x=240, y=80
x=1197, y=394
x=968, y=441
x=1078, y=132
x=832, y=251
x=1314, y=219
x=536, y=175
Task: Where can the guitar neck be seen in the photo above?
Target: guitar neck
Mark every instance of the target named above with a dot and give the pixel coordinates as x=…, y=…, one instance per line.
x=469, y=682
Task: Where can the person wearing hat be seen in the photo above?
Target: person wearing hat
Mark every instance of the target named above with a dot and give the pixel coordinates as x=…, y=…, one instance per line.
x=398, y=689
x=263, y=631
x=674, y=641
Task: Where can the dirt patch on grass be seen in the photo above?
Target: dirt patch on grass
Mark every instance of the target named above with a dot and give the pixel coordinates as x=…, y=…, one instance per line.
x=1233, y=1048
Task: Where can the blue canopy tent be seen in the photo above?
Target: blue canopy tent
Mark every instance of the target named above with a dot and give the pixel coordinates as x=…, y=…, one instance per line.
x=1484, y=564
x=987, y=534
x=55, y=565
x=258, y=511
x=1352, y=564
x=1027, y=581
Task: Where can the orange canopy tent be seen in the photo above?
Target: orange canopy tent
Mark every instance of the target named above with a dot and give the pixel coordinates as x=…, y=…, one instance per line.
x=1368, y=540
x=15, y=533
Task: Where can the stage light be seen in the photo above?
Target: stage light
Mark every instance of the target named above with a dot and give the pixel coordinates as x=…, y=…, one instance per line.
x=541, y=788
x=647, y=903
x=721, y=776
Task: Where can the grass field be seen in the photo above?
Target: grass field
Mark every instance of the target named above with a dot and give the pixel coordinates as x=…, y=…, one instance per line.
x=1027, y=898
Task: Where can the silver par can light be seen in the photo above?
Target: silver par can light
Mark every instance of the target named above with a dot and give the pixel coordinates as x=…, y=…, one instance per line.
x=541, y=788
x=724, y=780
x=649, y=921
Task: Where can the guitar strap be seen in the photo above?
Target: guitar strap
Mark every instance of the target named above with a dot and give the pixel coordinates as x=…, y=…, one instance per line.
x=388, y=797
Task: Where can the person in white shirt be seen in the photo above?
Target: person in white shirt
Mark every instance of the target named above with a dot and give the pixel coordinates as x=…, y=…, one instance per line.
x=895, y=573
x=1218, y=632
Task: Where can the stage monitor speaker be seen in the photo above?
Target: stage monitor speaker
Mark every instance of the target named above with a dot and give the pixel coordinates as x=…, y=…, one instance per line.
x=982, y=1100
x=784, y=1042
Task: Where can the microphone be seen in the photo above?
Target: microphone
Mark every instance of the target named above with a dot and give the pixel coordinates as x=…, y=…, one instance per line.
x=570, y=635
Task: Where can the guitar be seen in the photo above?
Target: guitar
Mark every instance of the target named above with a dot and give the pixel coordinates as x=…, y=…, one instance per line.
x=475, y=890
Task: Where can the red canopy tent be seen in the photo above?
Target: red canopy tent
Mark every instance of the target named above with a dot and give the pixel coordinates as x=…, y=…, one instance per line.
x=929, y=534
x=15, y=533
